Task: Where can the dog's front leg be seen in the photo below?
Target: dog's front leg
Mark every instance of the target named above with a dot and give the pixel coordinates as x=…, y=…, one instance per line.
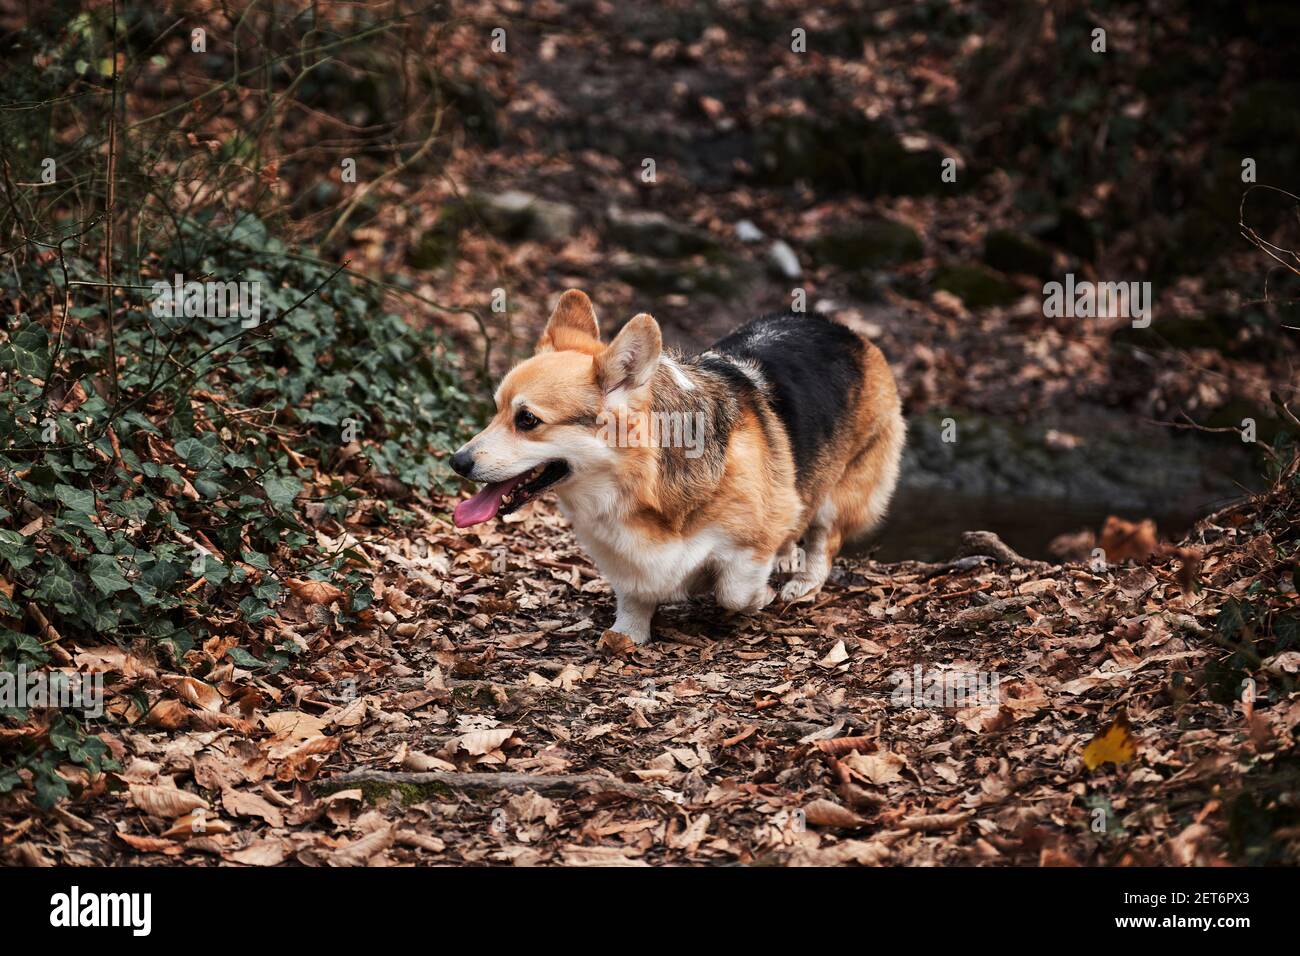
x=633, y=618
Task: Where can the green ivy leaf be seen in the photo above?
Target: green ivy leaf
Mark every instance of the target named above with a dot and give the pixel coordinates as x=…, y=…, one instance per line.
x=281, y=491
x=106, y=575
x=77, y=499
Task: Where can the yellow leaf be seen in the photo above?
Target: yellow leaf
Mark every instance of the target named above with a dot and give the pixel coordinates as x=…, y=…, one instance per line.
x=1115, y=744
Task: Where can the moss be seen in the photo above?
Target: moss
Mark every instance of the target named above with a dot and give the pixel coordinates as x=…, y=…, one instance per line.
x=723, y=276
x=439, y=243
x=977, y=286
x=1010, y=252
x=848, y=153
x=378, y=791
x=873, y=244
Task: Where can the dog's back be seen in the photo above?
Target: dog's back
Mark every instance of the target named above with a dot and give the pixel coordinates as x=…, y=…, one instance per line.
x=834, y=394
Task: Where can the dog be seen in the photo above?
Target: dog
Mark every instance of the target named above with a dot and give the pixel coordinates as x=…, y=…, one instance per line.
x=682, y=476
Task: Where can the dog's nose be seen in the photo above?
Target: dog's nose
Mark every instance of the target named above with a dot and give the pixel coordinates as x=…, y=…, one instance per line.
x=462, y=463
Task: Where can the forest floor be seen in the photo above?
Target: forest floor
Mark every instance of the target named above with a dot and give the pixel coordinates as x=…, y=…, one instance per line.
x=476, y=714
x=484, y=719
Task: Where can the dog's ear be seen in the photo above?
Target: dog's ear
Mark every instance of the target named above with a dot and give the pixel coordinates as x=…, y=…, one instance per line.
x=630, y=360
x=572, y=325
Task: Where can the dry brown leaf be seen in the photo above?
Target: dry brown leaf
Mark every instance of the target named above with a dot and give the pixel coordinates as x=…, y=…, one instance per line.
x=196, y=824
x=880, y=768
x=151, y=844
x=838, y=746
x=361, y=852
x=241, y=803
x=293, y=725
x=269, y=852
x=314, y=592
x=476, y=743
x=168, y=714
x=618, y=643
x=164, y=801
x=204, y=696
x=827, y=813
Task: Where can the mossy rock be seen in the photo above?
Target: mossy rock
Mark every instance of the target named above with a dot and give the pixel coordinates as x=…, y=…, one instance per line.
x=652, y=233
x=977, y=286
x=439, y=244
x=722, y=276
x=1010, y=252
x=872, y=244
x=1236, y=335
x=847, y=154
x=514, y=215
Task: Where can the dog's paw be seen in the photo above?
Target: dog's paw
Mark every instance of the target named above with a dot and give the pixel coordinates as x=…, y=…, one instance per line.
x=620, y=644
x=799, y=586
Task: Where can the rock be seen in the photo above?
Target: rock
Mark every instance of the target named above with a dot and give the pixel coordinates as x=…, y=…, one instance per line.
x=746, y=231
x=1010, y=252
x=519, y=215
x=722, y=276
x=871, y=244
x=652, y=233
x=783, y=261
x=848, y=153
x=439, y=243
x=976, y=286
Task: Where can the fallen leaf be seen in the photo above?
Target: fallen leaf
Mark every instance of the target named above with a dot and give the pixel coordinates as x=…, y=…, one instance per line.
x=314, y=592
x=827, y=813
x=1114, y=744
x=164, y=801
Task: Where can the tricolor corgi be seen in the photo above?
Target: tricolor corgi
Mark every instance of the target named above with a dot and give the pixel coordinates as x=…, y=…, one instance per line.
x=684, y=475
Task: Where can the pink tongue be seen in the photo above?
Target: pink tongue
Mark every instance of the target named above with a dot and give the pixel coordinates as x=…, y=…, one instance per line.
x=483, y=505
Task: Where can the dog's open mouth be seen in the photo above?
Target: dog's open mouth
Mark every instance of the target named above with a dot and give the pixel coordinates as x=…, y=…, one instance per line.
x=503, y=497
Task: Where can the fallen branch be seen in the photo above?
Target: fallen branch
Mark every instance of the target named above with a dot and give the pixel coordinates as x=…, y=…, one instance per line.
x=987, y=543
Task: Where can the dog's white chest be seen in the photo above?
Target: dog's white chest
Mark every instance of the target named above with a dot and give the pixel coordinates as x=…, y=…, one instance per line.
x=636, y=564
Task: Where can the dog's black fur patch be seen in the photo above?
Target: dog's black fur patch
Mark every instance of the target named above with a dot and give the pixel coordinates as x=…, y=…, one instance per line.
x=814, y=369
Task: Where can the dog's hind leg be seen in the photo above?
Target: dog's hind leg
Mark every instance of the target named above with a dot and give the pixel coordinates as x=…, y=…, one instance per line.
x=855, y=506
x=819, y=546
x=861, y=497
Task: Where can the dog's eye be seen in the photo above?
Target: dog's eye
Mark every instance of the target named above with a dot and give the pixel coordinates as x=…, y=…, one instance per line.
x=525, y=420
